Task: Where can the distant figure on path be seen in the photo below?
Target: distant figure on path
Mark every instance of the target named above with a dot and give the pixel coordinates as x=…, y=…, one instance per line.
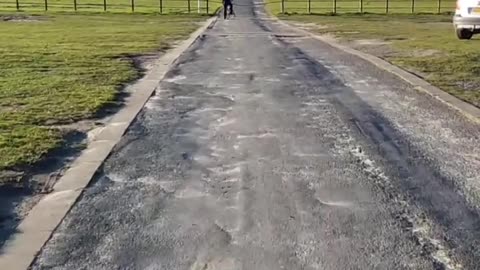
x=226, y=4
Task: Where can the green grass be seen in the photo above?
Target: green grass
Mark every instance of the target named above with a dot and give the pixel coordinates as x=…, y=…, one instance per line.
x=423, y=43
x=63, y=68
x=114, y=6
x=360, y=6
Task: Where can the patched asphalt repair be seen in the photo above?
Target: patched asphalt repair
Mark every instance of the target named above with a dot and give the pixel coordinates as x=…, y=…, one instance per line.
x=267, y=149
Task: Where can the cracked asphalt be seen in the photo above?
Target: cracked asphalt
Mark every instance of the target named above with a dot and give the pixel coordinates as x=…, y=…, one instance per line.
x=266, y=149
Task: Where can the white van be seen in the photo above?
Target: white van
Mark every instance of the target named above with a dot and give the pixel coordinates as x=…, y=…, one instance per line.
x=467, y=18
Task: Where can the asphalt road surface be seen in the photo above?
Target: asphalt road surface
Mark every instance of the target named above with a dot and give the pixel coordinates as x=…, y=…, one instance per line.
x=265, y=149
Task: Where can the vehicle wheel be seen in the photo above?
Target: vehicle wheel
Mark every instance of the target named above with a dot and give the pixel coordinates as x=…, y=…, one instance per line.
x=463, y=33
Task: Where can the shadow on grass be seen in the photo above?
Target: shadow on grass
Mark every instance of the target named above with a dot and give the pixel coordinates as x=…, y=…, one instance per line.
x=24, y=185
x=21, y=187
x=10, y=198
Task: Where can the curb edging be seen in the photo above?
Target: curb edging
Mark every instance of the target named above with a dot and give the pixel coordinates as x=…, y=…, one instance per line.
x=20, y=251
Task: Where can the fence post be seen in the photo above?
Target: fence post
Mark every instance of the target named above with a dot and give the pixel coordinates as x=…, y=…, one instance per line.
x=161, y=7
x=334, y=6
x=75, y=5
x=283, y=6
x=439, y=6
x=18, y=5
x=207, y=8
x=104, y=5
x=361, y=6
x=413, y=6
x=46, y=5
x=386, y=6
x=189, y=7
x=133, y=5
x=309, y=6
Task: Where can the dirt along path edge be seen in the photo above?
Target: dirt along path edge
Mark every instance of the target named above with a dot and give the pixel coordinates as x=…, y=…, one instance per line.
x=466, y=109
x=35, y=230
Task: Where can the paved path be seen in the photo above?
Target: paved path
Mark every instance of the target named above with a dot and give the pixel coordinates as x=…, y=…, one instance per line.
x=265, y=149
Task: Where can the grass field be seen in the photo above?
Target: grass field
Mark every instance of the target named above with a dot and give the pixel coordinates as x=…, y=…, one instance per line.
x=360, y=6
x=114, y=6
x=424, y=44
x=61, y=68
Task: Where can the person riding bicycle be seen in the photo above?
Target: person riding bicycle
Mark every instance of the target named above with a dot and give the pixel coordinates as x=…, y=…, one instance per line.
x=226, y=5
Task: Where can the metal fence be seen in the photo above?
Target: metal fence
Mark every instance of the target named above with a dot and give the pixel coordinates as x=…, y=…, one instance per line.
x=362, y=6
x=147, y=6
x=210, y=6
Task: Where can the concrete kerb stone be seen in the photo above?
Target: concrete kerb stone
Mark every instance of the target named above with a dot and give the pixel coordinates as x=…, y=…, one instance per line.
x=36, y=229
x=468, y=110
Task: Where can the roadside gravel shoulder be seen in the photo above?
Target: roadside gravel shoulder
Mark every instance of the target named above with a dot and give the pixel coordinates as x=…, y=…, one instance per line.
x=470, y=111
